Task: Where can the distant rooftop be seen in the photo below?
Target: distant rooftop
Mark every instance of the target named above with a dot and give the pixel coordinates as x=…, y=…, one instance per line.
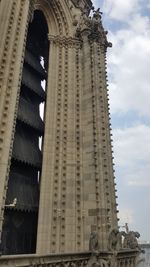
x=145, y=244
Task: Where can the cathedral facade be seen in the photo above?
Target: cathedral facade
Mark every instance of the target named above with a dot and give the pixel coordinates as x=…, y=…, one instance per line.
x=56, y=166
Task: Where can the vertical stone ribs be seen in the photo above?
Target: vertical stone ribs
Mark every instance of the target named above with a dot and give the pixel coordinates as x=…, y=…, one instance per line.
x=56, y=211
x=97, y=153
x=112, y=205
x=98, y=182
x=64, y=152
x=99, y=140
x=78, y=137
x=59, y=192
x=104, y=184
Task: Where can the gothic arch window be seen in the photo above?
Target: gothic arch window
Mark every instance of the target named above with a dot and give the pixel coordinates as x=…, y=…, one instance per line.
x=20, y=220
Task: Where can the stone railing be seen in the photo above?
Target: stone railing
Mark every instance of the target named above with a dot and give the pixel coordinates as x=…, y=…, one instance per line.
x=124, y=258
x=53, y=260
x=128, y=258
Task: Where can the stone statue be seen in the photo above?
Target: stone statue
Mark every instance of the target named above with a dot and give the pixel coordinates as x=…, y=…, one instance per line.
x=114, y=240
x=92, y=27
x=97, y=14
x=130, y=240
x=93, y=242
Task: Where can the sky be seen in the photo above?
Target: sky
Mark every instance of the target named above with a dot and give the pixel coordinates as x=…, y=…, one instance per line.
x=128, y=24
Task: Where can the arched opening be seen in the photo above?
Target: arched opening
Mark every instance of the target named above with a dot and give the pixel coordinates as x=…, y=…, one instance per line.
x=22, y=202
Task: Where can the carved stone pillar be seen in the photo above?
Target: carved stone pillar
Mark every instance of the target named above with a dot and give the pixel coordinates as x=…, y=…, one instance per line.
x=98, y=177
x=60, y=228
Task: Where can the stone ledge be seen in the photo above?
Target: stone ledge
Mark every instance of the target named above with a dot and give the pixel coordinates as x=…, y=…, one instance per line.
x=66, y=259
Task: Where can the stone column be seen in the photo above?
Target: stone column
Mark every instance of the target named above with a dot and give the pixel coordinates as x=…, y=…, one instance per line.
x=47, y=176
x=60, y=204
x=89, y=183
x=98, y=175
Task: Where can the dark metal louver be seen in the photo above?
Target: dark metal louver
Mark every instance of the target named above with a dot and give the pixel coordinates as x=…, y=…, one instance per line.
x=33, y=82
x=20, y=220
x=25, y=190
x=28, y=114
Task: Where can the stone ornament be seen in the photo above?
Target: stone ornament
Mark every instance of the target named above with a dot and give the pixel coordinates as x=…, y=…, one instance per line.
x=130, y=240
x=93, y=242
x=114, y=240
x=100, y=263
x=93, y=26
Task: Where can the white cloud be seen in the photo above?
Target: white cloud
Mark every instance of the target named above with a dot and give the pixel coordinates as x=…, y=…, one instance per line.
x=132, y=154
x=120, y=9
x=139, y=183
x=129, y=67
x=135, y=139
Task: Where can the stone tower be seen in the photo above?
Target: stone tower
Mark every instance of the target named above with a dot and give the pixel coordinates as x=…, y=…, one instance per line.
x=56, y=174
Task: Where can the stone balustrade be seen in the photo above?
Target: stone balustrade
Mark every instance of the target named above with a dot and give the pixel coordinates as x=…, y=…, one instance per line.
x=123, y=258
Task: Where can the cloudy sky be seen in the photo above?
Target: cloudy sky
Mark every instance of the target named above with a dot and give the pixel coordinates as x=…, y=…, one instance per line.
x=128, y=23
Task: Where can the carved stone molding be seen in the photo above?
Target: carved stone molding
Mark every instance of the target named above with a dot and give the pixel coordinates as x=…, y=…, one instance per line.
x=63, y=40
x=93, y=28
x=84, y=5
x=31, y=9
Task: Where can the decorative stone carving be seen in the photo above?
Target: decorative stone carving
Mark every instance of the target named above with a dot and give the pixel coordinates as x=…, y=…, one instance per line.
x=130, y=240
x=104, y=263
x=32, y=7
x=64, y=41
x=93, y=27
x=82, y=5
x=93, y=242
x=114, y=240
x=97, y=261
x=113, y=260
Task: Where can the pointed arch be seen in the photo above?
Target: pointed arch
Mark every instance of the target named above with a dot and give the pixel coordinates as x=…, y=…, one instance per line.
x=58, y=16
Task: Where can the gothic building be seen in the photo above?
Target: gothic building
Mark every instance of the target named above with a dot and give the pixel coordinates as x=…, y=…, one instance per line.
x=56, y=170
